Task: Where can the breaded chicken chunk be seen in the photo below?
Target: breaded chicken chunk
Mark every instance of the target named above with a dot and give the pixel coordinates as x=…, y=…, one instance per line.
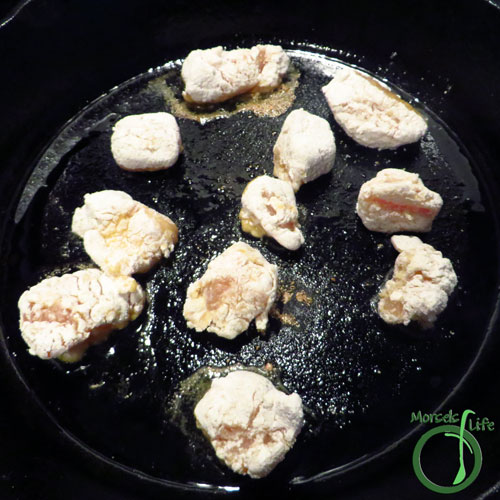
x=396, y=200
x=63, y=316
x=147, y=142
x=273, y=64
x=238, y=286
x=370, y=113
x=419, y=289
x=268, y=207
x=305, y=149
x=121, y=235
x=215, y=75
x=250, y=424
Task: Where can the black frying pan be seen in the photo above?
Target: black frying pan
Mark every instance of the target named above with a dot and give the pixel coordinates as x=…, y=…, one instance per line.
x=107, y=418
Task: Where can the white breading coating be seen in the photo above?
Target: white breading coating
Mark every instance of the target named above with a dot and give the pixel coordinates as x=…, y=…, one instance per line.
x=395, y=200
x=268, y=207
x=215, y=75
x=370, y=113
x=273, y=64
x=238, y=286
x=305, y=149
x=147, y=142
x=250, y=424
x=64, y=315
x=419, y=289
x=121, y=235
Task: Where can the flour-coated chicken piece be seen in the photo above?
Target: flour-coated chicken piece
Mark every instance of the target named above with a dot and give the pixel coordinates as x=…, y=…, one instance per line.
x=305, y=149
x=250, y=424
x=147, y=142
x=238, y=286
x=370, y=113
x=121, y=235
x=268, y=207
x=215, y=75
x=396, y=200
x=63, y=316
x=273, y=64
x=422, y=281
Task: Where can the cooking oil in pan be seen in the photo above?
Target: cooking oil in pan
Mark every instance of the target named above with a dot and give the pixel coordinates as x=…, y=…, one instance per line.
x=270, y=104
x=327, y=342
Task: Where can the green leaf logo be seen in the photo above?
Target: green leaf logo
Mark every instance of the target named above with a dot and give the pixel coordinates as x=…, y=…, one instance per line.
x=463, y=479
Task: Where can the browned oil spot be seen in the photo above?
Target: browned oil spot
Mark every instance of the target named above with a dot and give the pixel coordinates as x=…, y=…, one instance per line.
x=303, y=298
x=285, y=318
x=271, y=104
x=286, y=297
x=286, y=292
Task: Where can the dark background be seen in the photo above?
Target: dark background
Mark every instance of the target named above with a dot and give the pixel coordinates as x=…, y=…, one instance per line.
x=57, y=56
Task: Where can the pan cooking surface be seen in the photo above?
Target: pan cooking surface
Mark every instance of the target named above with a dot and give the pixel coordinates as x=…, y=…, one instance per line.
x=359, y=378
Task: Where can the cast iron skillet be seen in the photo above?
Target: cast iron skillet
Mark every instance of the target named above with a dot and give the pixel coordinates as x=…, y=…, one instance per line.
x=118, y=423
